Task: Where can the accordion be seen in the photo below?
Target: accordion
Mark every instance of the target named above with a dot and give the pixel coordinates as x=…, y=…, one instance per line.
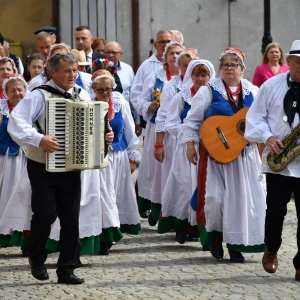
x=80, y=129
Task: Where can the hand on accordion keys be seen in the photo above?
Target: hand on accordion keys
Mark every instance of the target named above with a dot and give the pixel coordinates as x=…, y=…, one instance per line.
x=49, y=143
x=109, y=136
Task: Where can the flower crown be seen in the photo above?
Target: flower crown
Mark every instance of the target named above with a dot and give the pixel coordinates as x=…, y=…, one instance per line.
x=106, y=61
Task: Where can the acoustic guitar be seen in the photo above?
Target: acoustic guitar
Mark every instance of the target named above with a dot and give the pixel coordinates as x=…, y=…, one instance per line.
x=223, y=136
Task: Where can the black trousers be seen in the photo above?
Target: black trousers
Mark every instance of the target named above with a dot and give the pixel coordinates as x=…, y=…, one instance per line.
x=54, y=195
x=279, y=191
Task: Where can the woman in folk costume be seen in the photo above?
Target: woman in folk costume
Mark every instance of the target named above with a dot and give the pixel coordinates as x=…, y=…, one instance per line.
x=149, y=180
x=7, y=67
x=177, y=213
x=12, y=157
x=165, y=143
x=122, y=157
x=231, y=199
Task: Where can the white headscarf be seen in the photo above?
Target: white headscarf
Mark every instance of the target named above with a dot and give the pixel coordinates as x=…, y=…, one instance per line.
x=193, y=63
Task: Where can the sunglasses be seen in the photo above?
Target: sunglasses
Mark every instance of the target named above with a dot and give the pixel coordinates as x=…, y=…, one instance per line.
x=162, y=42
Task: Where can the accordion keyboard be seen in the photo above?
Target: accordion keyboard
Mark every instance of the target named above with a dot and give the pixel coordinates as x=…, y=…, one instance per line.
x=56, y=127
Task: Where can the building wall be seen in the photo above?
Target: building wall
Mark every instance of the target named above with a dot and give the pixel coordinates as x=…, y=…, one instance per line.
x=19, y=20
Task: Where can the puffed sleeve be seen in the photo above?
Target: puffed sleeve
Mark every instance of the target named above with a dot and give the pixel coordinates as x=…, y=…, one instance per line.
x=195, y=117
x=129, y=130
x=257, y=128
x=167, y=94
x=173, y=120
x=145, y=98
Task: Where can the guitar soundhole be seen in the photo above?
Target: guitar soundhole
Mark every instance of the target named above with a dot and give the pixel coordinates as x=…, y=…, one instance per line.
x=240, y=126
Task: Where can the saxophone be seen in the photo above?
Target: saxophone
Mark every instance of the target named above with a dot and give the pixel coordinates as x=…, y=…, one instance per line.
x=291, y=150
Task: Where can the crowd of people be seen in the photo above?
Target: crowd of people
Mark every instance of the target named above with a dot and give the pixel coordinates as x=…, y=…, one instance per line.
x=181, y=187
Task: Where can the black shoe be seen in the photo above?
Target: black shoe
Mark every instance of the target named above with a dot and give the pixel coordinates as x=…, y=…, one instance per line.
x=144, y=214
x=70, y=279
x=181, y=236
x=192, y=238
x=151, y=221
x=38, y=270
x=104, y=248
x=236, y=256
x=216, y=248
x=206, y=247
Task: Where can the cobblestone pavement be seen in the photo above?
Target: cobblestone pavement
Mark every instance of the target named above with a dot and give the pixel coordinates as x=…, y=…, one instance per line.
x=153, y=266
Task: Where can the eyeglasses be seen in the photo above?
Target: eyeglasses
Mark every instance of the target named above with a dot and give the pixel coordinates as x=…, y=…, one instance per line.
x=101, y=91
x=227, y=66
x=201, y=75
x=112, y=52
x=162, y=42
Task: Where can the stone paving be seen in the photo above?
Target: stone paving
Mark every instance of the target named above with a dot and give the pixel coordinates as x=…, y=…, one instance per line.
x=154, y=266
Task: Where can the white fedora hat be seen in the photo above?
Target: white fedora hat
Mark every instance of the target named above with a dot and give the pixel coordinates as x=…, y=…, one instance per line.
x=295, y=49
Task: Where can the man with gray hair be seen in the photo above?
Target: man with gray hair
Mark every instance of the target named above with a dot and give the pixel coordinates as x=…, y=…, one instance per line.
x=125, y=72
x=178, y=37
x=53, y=194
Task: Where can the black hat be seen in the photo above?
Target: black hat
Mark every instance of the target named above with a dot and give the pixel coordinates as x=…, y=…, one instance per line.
x=49, y=29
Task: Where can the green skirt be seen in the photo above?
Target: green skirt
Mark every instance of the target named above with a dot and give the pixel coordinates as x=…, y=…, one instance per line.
x=16, y=239
x=171, y=223
x=131, y=229
x=207, y=237
x=91, y=244
x=143, y=204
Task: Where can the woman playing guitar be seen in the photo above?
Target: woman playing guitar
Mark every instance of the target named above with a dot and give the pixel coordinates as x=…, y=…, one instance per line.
x=231, y=201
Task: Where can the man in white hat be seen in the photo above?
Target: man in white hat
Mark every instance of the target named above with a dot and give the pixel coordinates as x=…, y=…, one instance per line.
x=272, y=116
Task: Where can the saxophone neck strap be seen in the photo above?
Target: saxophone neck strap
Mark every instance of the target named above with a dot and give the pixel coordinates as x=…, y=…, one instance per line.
x=291, y=103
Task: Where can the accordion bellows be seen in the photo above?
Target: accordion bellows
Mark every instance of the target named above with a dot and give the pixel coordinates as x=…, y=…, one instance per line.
x=80, y=129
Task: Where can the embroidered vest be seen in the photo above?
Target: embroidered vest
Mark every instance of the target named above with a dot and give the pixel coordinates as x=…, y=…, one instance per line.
x=221, y=106
x=6, y=141
x=117, y=124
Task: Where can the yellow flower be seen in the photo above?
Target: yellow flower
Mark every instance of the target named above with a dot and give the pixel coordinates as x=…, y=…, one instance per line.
x=157, y=94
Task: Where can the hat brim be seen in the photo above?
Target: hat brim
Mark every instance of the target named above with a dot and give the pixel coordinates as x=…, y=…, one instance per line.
x=288, y=54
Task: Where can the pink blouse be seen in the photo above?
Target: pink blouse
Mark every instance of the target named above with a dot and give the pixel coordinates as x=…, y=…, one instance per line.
x=264, y=72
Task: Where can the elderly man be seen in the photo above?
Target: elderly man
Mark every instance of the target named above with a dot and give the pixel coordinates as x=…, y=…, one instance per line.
x=125, y=72
x=178, y=36
x=53, y=194
x=273, y=115
x=83, y=41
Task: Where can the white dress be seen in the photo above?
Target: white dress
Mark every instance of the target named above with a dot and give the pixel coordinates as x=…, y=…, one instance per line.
x=11, y=167
x=234, y=198
x=150, y=181
x=182, y=179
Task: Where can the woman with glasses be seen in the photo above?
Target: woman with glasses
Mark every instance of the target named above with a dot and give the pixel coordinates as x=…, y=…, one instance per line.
x=231, y=199
x=182, y=180
x=150, y=177
x=117, y=191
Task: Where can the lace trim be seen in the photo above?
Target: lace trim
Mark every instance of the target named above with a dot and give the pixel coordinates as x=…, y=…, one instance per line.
x=147, y=115
x=129, y=218
x=161, y=75
x=116, y=102
x=4, y=108
x=218, y=85
x=9, y=224
x=88, y=230
x=190, y=136
x=177, y=82
x=110, y=221
x=134, y=154
x=186, y=95
x=160, y=126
